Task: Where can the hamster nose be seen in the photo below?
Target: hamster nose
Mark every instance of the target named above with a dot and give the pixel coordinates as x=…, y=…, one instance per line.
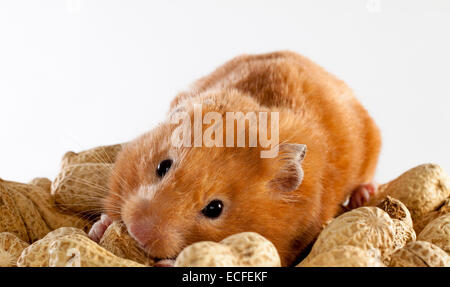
x=141, y=231
x=158, y=241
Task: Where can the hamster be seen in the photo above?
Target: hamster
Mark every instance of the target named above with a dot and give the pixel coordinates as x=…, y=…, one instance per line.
x=170, y=197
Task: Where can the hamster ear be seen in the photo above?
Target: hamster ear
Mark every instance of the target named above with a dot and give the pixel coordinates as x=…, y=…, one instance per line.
x=290, y=172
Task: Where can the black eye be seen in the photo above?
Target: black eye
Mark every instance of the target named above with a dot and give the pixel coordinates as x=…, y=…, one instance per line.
x=163, y=167
x=213, y=209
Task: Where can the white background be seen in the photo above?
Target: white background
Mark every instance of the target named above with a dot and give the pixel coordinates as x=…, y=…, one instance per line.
x=76, y=74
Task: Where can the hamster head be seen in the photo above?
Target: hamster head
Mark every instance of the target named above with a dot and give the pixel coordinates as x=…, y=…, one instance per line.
x=170, y=197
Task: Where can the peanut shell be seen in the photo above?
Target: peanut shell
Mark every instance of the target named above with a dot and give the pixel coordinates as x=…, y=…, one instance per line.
x=368, y=228
x=10, y=249
x=438, y=232
x=42, y=182
x=44, y=203
x=344, y=256
x=35, y=225
x=239, y=250
x=422, y=221
x=101, y=154
x=420, y=254
x=118, y=241
x=81, y=188
x=37, y=254
x=422, y=189
x=401, y=217
x=206, y=254
x=10, y=219
x=79, y=251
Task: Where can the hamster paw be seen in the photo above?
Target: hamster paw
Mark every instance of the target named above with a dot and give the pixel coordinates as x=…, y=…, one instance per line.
x=361, y=195
x=99, y=228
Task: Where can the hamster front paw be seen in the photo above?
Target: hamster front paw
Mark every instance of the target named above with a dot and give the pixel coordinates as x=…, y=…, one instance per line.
x=99, y=228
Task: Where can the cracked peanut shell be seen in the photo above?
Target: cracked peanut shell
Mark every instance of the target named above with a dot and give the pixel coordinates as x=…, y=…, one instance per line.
x=422, y=189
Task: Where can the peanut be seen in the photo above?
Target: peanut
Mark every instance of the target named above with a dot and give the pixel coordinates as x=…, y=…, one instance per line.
x=368, y=228
x=438, y=232
x=42, y=182
x=79, y=251
x=80, y=188
x=422, y=221
x=420, y=254
x=344, y=256
x=117, y=240
x=401, y=217
x=45, y=206
x=422, y=189
x=239, y=250
x=10, y=219
x=101, y=154
x=37, y=255
x=10, y=249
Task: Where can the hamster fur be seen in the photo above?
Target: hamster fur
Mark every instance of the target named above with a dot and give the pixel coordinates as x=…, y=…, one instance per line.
x=263, y=195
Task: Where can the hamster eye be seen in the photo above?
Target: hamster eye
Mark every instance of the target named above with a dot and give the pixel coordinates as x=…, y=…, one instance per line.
x=213, y=209
x=163, y=167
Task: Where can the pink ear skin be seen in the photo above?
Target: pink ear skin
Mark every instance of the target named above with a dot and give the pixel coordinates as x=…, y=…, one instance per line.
x=290, y=176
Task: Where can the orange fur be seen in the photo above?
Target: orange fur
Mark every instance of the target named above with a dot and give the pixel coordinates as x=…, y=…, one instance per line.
x=315, y=109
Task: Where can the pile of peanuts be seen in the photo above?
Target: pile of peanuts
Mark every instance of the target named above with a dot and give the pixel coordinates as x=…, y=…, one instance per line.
x=44, y=223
